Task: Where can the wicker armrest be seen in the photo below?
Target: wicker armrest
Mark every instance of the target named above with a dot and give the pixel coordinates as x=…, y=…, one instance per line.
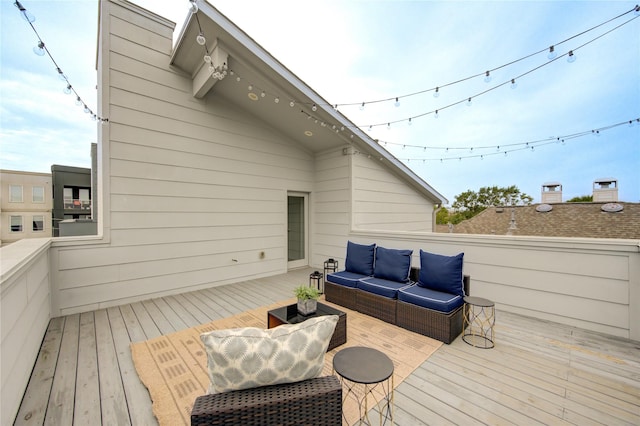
x=310, y=402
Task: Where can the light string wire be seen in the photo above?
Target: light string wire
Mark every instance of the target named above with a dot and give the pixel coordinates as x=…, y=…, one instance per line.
x=314, y=106
x=487, y=72
x=41, y=44
x=530, y=145
x=509, y=81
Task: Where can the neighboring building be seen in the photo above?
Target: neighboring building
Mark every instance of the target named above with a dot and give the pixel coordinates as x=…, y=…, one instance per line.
x=584, y=220
x=25, y=205
x=71, y=198
x=602, y=218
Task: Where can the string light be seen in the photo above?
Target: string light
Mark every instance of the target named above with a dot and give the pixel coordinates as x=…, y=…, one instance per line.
x=41, y=49
x=551, y=54
x=478, y=151
x=218, y=71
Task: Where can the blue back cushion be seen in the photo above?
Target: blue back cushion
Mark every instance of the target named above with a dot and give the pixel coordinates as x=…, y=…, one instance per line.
x=392, y=264
x=441, y=273
x=360, y=258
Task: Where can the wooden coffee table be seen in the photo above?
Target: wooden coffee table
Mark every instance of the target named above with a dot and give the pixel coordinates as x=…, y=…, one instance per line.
x=289, y=315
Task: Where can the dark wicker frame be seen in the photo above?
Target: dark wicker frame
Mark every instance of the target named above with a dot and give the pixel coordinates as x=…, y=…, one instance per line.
x=377, y=306
x=438, y=325
x=434, y=324
x=310, y=402
x=340, y=295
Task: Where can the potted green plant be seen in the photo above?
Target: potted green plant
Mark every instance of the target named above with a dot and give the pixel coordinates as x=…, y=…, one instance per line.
x=307, y=299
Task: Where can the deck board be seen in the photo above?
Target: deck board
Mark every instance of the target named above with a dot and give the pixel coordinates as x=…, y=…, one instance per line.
x=539, y=372
x=87, y=389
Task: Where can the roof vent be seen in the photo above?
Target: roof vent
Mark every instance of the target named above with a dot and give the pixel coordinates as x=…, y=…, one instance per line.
x=551, y=192
x=612, y=208
x=544, y=208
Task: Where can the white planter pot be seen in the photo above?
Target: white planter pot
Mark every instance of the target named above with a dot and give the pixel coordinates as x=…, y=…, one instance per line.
x=307, y=306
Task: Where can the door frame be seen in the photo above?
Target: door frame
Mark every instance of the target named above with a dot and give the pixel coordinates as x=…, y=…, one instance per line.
x=300, y=263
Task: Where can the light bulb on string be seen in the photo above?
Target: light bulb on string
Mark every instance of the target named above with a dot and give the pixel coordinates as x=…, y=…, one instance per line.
x=39, y=49
x=436, y=115
x=487, y=77
x=61, y=75
x=276, y=100
x=409, y=122
x=200, y=39
x=26, y=15
x=552, y=53
x=67, y=90
x=436, y=93
x=514, y=85
x=362, y=107
x=469, y=102
x=397, y=103
x=86, y=108
x=207, y=58
x=314, y=108
x=194, y=7
x=78, y=101
x=636, y=11
x=571, y=58
x=263, y=94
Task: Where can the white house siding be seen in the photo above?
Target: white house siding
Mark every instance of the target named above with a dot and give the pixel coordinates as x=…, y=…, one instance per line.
x=196, y=189
x=383, y=201
x=25, y=313
x=331, y=206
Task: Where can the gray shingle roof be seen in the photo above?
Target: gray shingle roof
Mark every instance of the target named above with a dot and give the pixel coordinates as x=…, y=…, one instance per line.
x=564, y=220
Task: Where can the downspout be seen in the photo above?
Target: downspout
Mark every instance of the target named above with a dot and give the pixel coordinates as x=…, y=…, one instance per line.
x=436, y=209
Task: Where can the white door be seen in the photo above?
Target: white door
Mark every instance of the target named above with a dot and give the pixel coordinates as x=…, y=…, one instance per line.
x=297, y=229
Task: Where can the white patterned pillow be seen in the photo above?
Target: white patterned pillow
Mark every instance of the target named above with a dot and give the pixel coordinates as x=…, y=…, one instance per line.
x=242, y=358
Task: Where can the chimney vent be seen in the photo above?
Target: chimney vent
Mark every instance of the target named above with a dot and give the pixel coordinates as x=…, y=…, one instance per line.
x=605, y=190
x=551, y=193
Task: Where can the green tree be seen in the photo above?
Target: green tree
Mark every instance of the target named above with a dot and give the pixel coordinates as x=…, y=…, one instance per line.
x=581, y=199
x=470, y=203
x=442, y=217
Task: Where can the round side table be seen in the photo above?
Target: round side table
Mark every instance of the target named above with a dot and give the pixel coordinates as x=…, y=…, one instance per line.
x=479, y=320
x=367, y=369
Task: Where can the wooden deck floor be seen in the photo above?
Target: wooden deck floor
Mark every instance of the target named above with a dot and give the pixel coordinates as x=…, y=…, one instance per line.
x=538, y=373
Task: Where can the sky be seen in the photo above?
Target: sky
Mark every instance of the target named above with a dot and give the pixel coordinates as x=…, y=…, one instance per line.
x=355, y=51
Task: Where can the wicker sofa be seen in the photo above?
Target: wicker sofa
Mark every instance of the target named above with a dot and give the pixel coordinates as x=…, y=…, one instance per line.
x=315, y=401
x=436, y=312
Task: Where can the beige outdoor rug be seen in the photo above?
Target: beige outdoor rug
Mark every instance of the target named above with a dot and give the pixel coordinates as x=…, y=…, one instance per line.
x=174, y=367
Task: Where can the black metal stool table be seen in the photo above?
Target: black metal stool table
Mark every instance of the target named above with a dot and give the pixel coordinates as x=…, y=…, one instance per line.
x=367, y=369
x=479, y=320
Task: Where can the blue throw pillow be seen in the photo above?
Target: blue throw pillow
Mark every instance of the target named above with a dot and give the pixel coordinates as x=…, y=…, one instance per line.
x=392, y=264
x=441, y=273
x=360, y=258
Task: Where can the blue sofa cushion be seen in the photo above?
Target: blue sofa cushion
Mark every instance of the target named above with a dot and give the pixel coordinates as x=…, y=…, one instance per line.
x=360, y=258
x=392, y=264
x=430, y=299
x=381, y=286
x=441, y=273
x=345, y=278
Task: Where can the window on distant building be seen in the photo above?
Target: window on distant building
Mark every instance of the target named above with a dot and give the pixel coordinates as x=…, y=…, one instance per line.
x=38, y=223
x=68, y=198
x=16, y=223
x=38, y=194
x=15, y=193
